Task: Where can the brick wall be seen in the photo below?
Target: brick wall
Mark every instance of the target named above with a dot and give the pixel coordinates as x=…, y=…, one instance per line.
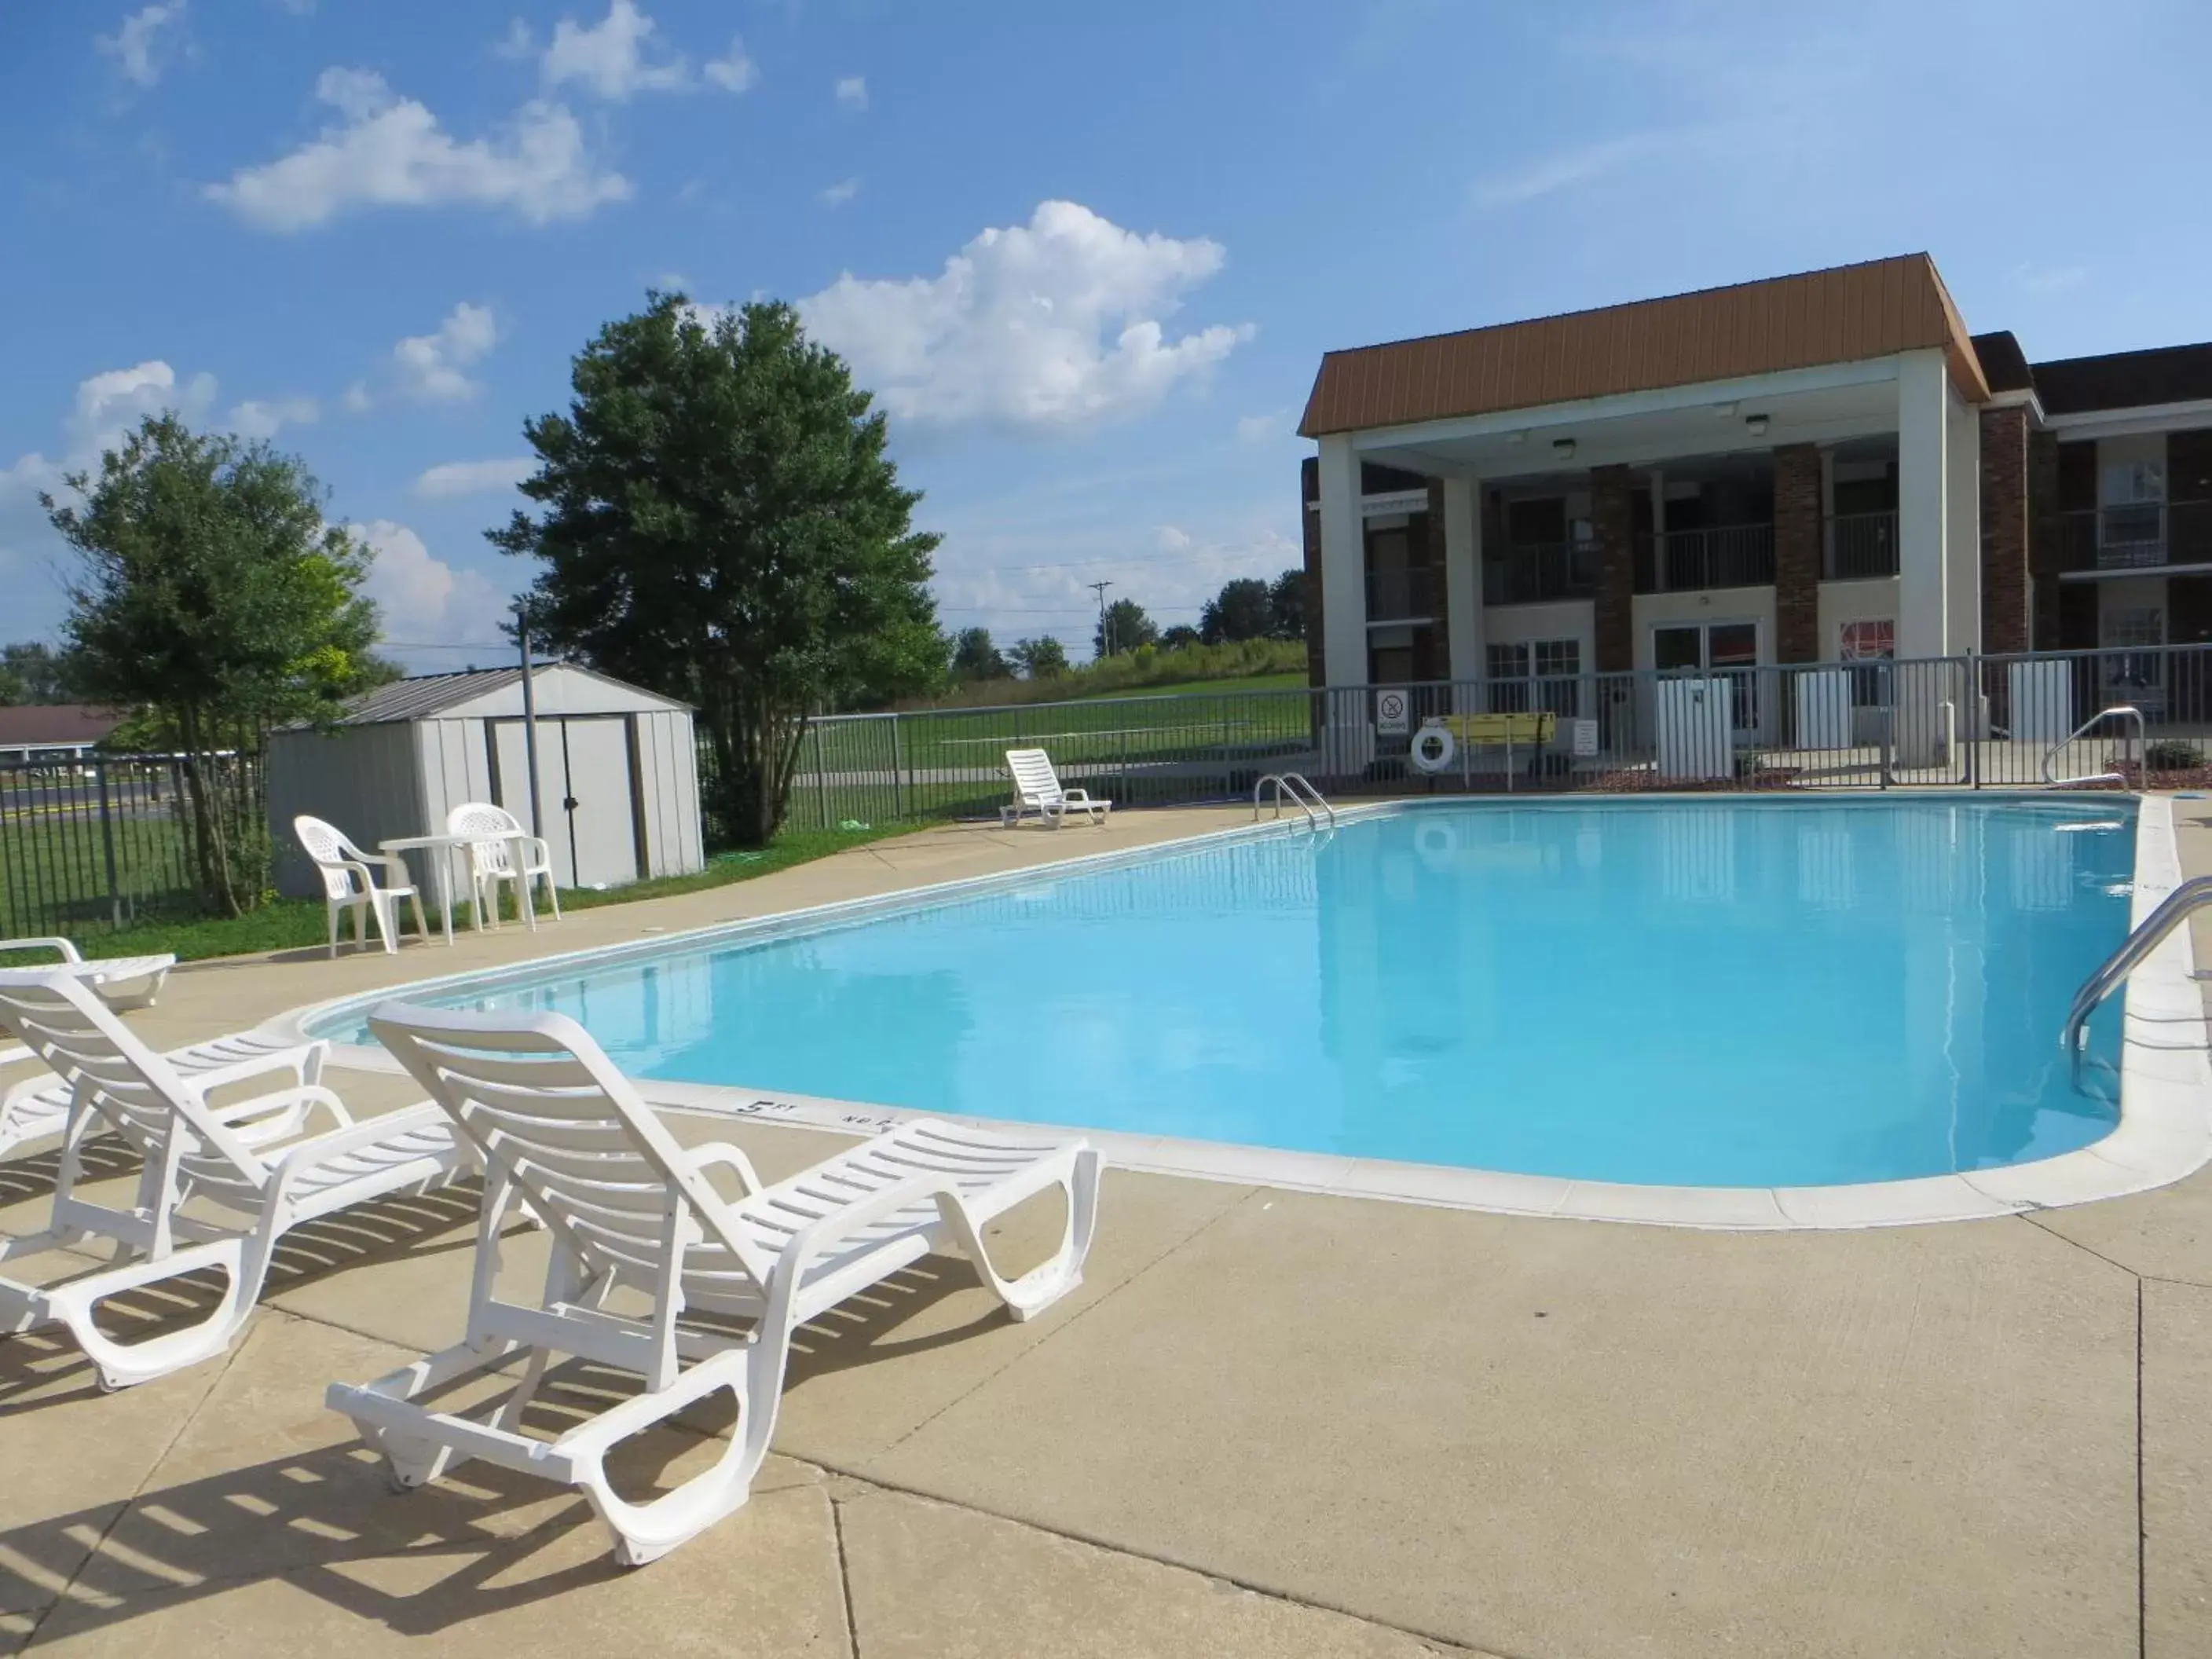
x=2043, y=544
x=1613, y=518
x=1797, y=538
x=2005, y=585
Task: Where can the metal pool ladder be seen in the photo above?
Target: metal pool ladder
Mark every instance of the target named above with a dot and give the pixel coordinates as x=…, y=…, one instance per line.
x=1301, y=793
x=2121, y=711
x=2175, y=908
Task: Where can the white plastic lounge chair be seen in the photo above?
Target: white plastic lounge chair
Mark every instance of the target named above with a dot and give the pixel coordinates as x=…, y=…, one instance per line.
x=560, y=1130
x=493, y=860
x=248, y=1160
x=348, y=883
x=124, y=982
x=38, y=1107
x=1037, y=789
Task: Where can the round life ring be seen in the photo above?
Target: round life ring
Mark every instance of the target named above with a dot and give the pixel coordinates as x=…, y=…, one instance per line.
x=1432, y=748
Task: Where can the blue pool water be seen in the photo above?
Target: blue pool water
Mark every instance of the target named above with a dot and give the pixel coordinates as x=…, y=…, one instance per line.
x=1739, y=993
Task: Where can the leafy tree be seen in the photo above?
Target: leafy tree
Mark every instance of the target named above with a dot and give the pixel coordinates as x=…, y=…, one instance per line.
x=1124, y=627
x=1043, y=658
x=31, y=671
x=1182, y=635
x=1286, y=605
x=1240, y=612
x=215, y=596
x=974, y=658
x=720, y=523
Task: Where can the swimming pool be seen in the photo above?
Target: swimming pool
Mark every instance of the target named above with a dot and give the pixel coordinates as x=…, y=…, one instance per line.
x=1740, y=995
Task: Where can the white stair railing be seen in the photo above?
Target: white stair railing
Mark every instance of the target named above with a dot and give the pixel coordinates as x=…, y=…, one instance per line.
x=2122, y=712
x=1295, y=787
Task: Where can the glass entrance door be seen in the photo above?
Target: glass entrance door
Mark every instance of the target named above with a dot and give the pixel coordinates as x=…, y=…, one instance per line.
x=1722, y=650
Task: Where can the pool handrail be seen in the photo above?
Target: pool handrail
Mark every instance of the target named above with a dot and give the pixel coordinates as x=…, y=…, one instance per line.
x=2173, y=910
x=2124, y=711
x=1302, y=793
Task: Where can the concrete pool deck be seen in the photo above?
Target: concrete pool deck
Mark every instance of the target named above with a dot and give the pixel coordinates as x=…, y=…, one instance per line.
x=1269, y=1422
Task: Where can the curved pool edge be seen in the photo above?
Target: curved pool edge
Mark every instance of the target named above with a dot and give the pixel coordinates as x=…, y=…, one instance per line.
x=2164, y=1132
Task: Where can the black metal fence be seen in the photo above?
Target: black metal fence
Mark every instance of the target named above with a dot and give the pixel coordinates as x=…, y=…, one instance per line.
x=91, y=845
x=1949, y=722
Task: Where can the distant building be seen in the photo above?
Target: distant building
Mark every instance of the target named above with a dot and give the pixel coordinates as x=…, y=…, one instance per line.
x=53, y=731
x=1807, y=469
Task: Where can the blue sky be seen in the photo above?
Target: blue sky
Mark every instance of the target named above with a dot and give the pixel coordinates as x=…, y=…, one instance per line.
x=1089, y=255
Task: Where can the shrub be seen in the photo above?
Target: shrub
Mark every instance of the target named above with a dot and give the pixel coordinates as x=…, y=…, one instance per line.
x=2168, y=755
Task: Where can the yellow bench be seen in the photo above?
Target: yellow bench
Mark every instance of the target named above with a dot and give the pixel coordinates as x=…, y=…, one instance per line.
x=1475, y=730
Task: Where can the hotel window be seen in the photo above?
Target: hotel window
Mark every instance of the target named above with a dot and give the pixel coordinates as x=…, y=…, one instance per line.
x=1872, y=641
x=1554, y=664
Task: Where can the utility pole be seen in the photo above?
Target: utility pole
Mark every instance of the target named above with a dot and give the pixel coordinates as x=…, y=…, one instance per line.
x=529, y=714
x=1105, y=638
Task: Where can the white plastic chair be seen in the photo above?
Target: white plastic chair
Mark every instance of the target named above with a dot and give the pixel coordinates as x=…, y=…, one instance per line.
x=349, y=883
x=493, y=859
x=247, y=1160
x=1037, y=789
x=561, y=1131
x=124, y=982
x=38, y=1107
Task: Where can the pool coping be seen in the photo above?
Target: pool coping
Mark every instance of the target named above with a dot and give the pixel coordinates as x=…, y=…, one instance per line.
x=2164, y=1132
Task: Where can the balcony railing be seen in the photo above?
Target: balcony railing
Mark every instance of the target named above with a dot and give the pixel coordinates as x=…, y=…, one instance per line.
x=2139, y=536
x=1861, y=545
x=1406, y=595
x=1726, y=556
x=1529, y=575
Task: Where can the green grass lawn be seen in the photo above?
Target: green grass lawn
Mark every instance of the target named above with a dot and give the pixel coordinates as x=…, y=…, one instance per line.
x=289, y=924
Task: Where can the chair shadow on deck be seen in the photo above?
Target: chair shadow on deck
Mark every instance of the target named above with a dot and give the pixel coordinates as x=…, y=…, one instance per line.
x=479, y=1541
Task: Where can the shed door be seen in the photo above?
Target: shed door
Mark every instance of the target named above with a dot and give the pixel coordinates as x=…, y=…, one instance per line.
x=584, y=785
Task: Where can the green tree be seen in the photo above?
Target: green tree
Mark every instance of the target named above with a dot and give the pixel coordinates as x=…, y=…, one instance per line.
x=1042, y=658
x=974, y=658
x=1123, y=628
x=721, y=523
x=1240, y=612
x=31, y=671
x=1182, y=635
x=1286, y=605
x=215, y=596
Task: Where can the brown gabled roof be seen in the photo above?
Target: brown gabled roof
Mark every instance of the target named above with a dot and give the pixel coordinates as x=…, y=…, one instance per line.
x=1847, y=314
x=55, y=724
x=2125, y=379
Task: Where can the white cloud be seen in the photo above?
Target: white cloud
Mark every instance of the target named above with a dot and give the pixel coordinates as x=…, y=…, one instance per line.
x=390, y=151
x=1053, y=324
x=430, y=365
x=841, y=192
x=422, y=599
x=1173, y=538
x=1252, y=428
x=735, y=71
x=612, y=58
x=357, y=400
x=452, y=478
x=852, y=91
x=137, y=45
x=258, y=419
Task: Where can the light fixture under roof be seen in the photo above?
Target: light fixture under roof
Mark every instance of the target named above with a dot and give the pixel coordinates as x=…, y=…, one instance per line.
x=1564, y=449
x=1756, y=425
x=1516, y=437
x=1723, y=410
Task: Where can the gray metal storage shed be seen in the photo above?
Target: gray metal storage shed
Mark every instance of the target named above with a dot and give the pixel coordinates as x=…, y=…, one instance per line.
x=617, y=773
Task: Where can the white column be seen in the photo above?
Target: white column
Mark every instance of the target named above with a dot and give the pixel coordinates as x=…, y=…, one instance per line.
x=1463, y=578
x=1923, y=715
x=1343, y=565
x=1922, y=485
x=1962, y=560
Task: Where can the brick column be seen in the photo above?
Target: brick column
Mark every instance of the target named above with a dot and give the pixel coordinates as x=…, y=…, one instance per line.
x=1797, y=538
x=2004, y=529
x=2044, y=547
x=1613, y=520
